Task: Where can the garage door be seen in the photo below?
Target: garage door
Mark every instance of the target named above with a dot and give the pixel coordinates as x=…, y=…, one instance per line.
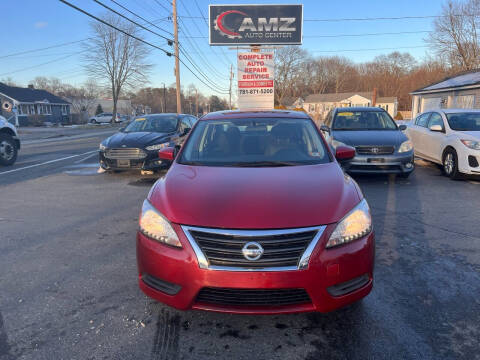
x=431, y=103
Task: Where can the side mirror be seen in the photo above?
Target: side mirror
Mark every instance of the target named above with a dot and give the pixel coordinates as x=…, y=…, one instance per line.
x=402, y=127
x=325, y=128
x=167, y=154
x=344, y=153
x=437, y=128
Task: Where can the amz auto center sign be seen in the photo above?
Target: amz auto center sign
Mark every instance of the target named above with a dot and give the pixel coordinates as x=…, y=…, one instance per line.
x=256, y=24
x=255, y=80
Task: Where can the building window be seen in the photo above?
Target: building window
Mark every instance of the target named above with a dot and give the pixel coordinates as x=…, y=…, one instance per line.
x=44, y=109
x=464, y=101
x=64, y=109
x=31, y=109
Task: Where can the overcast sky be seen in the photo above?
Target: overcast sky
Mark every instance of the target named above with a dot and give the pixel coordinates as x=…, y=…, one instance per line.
x=33, y=24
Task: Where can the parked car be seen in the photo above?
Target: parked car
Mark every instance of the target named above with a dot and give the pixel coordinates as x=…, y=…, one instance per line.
x=381, y=146
x=9, y=143
x=255, y=215
x=136, y=146
x=450, y=137
x=105, y=118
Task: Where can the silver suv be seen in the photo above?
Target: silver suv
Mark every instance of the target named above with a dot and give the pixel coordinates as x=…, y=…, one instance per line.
x=9, y=143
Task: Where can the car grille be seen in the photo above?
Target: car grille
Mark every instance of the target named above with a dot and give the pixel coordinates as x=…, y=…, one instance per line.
x=253, y=297
x=125, y=153
x=282, y=248
x=374, y=150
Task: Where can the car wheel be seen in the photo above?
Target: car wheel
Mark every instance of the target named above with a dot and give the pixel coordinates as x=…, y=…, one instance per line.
x=450, y=164
x=93, y=121
x=405, y=175
x=8, y=150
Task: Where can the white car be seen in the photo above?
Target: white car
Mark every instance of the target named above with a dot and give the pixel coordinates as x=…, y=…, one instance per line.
x=9, y=143
x=450, y=137
x=104, y=118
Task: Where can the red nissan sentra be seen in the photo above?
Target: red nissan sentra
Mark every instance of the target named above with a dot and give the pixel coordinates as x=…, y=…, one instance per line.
x=256, y=216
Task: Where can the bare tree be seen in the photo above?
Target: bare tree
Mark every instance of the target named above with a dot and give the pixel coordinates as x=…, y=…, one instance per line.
x=455, y=37
x=83, y=99
x=287, y=70
x=116, y=59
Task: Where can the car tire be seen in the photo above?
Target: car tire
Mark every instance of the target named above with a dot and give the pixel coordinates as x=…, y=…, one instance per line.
x=93, y=121
x=450, y=164
x=405, y=175
x=8, y=150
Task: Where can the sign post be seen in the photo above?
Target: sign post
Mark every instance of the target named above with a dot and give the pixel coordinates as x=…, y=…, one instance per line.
x=256, y=26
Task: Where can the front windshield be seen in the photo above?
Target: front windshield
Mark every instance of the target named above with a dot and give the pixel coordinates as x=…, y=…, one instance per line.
x=363, y=120
x=464, y=121
x=153, y=123
x=254, y=142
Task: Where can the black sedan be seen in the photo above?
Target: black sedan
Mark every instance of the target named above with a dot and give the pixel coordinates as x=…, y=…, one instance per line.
x=381, y=146
x=136, y=146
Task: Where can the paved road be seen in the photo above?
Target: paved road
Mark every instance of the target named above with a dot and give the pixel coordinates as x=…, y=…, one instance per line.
x=68, y=283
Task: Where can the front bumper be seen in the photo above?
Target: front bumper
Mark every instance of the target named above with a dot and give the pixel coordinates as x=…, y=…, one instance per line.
x=469, y=162
x=328, y=271
x=150, y=163
x=381, y=164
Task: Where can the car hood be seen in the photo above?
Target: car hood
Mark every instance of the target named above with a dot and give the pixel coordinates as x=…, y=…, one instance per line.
x=134, y=139
x=370, y=137
x=255, y=198
x=470, y=135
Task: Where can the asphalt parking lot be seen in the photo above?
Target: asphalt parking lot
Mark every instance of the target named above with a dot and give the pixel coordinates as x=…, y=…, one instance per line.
x=68, y=281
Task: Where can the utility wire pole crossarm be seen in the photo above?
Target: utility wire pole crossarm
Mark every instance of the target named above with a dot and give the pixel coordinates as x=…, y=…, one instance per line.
x=177, y=62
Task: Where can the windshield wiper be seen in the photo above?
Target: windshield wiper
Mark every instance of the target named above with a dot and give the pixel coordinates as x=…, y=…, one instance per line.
x=263, y=164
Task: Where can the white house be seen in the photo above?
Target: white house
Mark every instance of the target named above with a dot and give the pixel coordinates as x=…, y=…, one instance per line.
x=318, y=105
x=459, y=91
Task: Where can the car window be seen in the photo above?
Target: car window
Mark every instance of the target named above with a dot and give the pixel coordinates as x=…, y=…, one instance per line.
x=435, y=119
x=193, y=120
x=254, y=142
x=153, y=123
x=422, y=120
x=107, y=114
x=464, y=121
x=184, y=124
x=363, y=120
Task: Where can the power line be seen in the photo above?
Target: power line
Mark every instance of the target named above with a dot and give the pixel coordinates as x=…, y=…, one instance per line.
x=114, y=27
x=140, y=17
x=170, y=41
x=42, y=64
x=384, y=18
x=44, y=48
x=162, y=6
x=137, y=38
x=368, y=34
x=206, y=23
x=387, y=48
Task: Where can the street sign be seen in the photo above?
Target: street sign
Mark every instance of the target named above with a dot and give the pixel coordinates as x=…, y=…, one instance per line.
x=255, y=24
x=255, y=80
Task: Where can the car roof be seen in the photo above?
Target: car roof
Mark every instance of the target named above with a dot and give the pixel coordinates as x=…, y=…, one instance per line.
x=163, y=114
x=242, y=114
x=451, y=111
x=359, y=108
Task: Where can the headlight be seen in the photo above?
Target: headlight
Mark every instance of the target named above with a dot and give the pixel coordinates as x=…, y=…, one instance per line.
x=356, y=224
x=406, y=146
x=155, y=226
x=157, y=146
x=472, y=144
x=102, y=147
x=336, y=143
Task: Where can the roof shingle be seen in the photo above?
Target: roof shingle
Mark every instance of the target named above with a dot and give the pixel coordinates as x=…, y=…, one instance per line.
x=27, y=95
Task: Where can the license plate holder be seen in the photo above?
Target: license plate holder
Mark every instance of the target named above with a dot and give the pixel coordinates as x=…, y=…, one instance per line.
x=123, y=163
x=376, y=160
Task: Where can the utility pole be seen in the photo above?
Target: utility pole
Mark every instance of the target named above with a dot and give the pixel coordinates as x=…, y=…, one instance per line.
x=230, y=91
x=177, y=62
x=196, y=102
x=164, y=99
